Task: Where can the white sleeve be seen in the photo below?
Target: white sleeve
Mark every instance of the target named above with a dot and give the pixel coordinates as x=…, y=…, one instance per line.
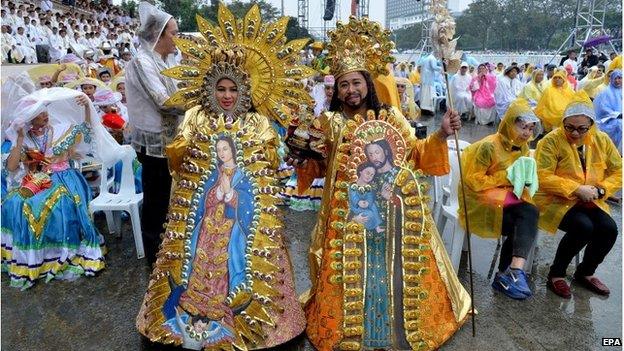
x=148, y=77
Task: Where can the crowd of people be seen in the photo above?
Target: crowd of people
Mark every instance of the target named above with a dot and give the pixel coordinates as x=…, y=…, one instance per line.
x=37, y=32
x=484, y=91
x=223, y=136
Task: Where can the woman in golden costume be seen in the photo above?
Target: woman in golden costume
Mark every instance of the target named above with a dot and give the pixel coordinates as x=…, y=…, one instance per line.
x=223, y=279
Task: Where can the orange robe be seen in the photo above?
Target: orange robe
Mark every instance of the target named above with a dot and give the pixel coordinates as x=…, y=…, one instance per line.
x=331, y=326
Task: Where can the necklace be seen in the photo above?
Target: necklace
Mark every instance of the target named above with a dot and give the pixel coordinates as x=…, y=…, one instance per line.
x=40, y=141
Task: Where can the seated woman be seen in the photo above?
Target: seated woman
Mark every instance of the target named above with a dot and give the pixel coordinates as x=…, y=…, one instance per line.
x=499, y=194
x=578, y=168
x=534, y=89
x=554, y=100
x=46, y=229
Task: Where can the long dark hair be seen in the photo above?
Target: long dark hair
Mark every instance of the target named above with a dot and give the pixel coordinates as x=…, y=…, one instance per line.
x=232, y=147
x=371, y=100
x=385, y=146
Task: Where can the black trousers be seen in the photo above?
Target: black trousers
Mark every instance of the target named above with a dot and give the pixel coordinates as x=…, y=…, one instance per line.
x=584, y=226
x=520, y=231
x=156, y=182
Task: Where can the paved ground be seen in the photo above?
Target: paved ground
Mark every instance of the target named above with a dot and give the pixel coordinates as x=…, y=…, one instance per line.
x=98, y=313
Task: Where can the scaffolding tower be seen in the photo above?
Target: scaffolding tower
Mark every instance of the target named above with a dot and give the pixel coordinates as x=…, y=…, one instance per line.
x=362, y=9
x=427, y=18
x=331, y=24
x=303, y=13
x=589, y=23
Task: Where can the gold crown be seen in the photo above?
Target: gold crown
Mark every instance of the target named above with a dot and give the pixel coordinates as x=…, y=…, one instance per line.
x=360, y=45
x=270, y=62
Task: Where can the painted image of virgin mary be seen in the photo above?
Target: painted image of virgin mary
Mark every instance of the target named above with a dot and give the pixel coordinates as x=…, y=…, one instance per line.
x=218, y=259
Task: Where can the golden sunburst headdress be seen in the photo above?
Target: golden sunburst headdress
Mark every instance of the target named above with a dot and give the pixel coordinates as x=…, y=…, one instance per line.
x=261, y=51
x=360, y=45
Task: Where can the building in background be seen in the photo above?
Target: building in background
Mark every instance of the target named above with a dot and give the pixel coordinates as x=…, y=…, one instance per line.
x=403, y=13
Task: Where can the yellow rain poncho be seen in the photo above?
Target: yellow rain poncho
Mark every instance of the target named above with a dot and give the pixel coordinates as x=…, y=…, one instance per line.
x=615, y=64
x=554, y=101
x=591, y=82
x=414, y=77
x=560, y=171
x=408, y=104
x=485, y=166
x=385, y=86
x=533, y=91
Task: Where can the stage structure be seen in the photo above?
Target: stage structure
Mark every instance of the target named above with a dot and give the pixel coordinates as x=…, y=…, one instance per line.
x=588, y=25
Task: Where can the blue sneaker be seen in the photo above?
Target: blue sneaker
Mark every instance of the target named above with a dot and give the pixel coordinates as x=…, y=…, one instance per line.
x=512, y=283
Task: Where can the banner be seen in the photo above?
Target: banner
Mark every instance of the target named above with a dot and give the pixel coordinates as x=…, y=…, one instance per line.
x=330, y=6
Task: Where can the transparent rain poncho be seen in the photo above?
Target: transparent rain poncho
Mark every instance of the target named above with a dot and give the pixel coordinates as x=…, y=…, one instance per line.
x=63, y=113
x=153, y=21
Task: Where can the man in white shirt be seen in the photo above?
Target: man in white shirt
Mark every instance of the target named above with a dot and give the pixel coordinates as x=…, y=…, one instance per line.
x=32, y=30
x=10, y=19
x=65, y=40
x=19, y=19
x=507, y=90
x=46, y=5
x=24, y=46
x=153, y=125
x=56, y=45
x=4, y=17
x=571, y=60
x=462, y=98
x=7, y=43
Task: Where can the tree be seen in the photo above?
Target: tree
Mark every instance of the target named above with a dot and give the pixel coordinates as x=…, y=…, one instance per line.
x=516, y=25
x=295, y=31
x=239, y=9
x=408, y=37
x=129, y=7
x=183, y=11
x=478, y=23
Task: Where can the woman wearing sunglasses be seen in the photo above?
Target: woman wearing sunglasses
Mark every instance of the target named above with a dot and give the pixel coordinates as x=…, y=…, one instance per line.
x=579, y=167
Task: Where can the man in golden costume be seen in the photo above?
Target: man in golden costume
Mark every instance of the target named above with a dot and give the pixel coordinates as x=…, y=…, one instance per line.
x=381, y=278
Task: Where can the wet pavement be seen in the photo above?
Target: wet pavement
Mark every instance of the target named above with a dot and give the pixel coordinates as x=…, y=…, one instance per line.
x=98, y=313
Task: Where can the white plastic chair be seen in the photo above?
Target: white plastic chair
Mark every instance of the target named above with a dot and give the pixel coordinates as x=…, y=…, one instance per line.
x=441, y=184
x=125, y=200
x=455, y=241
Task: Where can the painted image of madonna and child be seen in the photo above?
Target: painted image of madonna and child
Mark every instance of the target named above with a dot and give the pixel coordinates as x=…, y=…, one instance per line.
x=202, y=312
x=373, y=188
x=217, y=254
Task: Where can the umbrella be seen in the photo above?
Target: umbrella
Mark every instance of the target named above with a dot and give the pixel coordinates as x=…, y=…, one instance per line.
x=591, y=42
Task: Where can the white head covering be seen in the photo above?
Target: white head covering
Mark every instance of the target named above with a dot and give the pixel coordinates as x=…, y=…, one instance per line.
x=153, y=22
x=63, y=111
x=104, y=97
x=15, y=88
x=579, y=109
